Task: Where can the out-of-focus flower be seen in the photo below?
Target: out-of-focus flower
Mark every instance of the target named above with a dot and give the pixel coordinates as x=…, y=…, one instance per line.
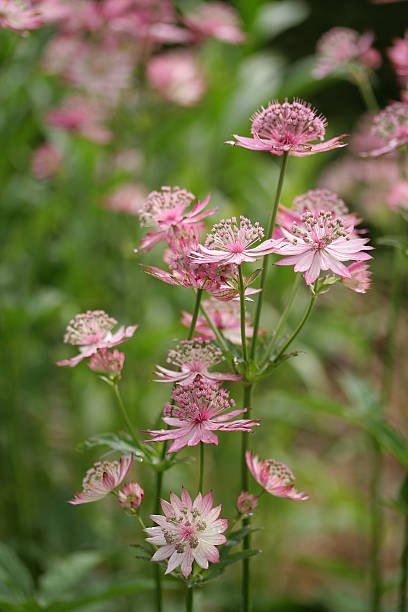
x=128, y=160
x=391, y=126
x=107, y=362
x=131, y=496
x=290, y=127
x=196, y=412
x=398, y=55
x=102, y=479
x=91, y=331
x=72, y=17
x=59, y=52
x=397, y=197
x=230, y=243
x=194, y=358
x=128, y=198
x=360, y=280
x=81, y=115
x=273, y=476
x=344, y=48
x=177, y=77
x=45, y=161
x=225, y=316
x=188, y=531
x=19, y=16
x=217, y=20
x=247, y=503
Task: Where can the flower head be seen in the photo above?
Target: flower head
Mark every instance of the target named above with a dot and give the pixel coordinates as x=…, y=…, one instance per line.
x=247, y=503
x=177, y=76
x=275, y=477
x=19, y=16
x=391, y=127
x=194, y=358
x=128, y=198
x=107, y=362
x=340, y=48
x=91, y=331
x=360, y=277
x=83, y=116
x=289, y=127
x=397, y=197
x=45, y=161
x=189, y=531
x=197, y=411
x=398, y=55
x=131, y=496
x=102, y=479
x=215, y=19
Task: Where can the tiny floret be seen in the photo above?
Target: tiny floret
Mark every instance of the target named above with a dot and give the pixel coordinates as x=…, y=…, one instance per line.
x=275, y=477
x=102, y=479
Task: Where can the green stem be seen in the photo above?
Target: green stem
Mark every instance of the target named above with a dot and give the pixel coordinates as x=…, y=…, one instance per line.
x=376, y=528
x=190, y=599
x=299, y=327
x=404, y=558
x=362, y=81
x=195, y=314
x=201, y=480
x=271, y=225
x=242, y=305
x=245, y=592
x=217, y=333
x=124, y=411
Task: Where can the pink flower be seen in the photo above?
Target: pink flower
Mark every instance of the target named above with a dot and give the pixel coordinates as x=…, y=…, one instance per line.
x=92, y=331
x=166, y=210
x=194, y=357
x=45, y=161
x=397, y=197
x=273, y=476
x=19, y=16
x=128, y=198
x=340, y=47
x=81, y=115
x=290, y=127
x=215, y=19
x=102, y=479
x=200, y=411
x=360, y=277
x=320, y=242
x=391, y=126
x=247, y=503
x=131, y=496
x=229, y=243
x=188, y=531
x=107, y=362
x=398, y=55
x=177, y=77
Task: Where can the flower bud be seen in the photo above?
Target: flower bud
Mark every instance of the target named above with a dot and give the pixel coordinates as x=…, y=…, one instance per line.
x=131, y=495
x=247, y=503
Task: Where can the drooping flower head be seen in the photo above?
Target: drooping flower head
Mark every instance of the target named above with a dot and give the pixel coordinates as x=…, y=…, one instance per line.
x=215, y=19
x=344, y=48
x=360, y=277
x=391, y=126
x=225, y=316
x=91, y=331
x=247, y=503
x=273, y=476
x=194, y=358
x=131, y=496
x=197, y=411
x=107, y=362
x=290, y=127
x=189, y=531
x=102, y=479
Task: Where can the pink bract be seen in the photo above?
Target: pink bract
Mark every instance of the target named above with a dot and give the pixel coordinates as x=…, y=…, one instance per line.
x=189, y=531
x=92, y=331
x=289, y=127
x=194, y=358
x=217, y=20
x=102, y=479
x=273, y=476
x=197, y=411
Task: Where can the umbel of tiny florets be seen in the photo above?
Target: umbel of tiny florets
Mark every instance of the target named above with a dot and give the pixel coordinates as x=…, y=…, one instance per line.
x=165, y=205
x=320, y=199
x=89, y=327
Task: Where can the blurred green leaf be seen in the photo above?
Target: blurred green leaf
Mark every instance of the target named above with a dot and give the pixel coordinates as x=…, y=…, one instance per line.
x=16, y=584
x=276, y=17
x=395, y=242
x=121, y=443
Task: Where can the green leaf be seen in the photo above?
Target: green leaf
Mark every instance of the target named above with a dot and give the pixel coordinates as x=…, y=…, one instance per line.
x=117, y=442
x=274, y=18
x=395, y=242
x=16, y=584
x=248, y=280
x=218, y=568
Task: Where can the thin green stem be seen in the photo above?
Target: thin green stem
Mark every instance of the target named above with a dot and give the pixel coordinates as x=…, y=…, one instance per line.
x=124, y=411
x=271, y=225
x=404, y=558
x=190, y=599
x=245, y=592
x=299, y=327
x=377, y=527
x=242, y=305
x=217, y=333
x=201, y=479
x=362, y=80
x=195, y=314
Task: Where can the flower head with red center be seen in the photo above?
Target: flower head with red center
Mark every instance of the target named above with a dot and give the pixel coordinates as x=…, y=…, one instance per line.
x=91, y=331
x=391, y=127
x=273, y=476
x=166, y=211
x=288, y=127
x=360, y=277
x=102, y=479
x=189, y=531
x=215, y=19
x=320, y=242
x=131, y=496
x=197, y=411
x=194, y=358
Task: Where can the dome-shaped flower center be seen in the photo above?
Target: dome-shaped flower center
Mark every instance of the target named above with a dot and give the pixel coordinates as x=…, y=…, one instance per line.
x=89, y=328
x=318, y=229
x=228, y=235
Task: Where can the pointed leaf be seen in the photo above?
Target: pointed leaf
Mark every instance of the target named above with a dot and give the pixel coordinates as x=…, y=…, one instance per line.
x=117, y=442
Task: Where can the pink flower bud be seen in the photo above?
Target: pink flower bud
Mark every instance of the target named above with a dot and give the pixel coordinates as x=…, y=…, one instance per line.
x=107, y=362
x=247, y=503
x=131, y=496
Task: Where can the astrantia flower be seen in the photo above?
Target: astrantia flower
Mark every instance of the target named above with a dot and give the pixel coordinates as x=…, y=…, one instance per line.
x=177, y=76
x=247, y=503
x=19, y=16
x=165, y=210
x=215, y=19
x=397, y=197
x=273, y=476
x=360, y=277
x=320, y=242
x=92, y=331
x=290, y=127
x=107, y=362
x=83, y=116
x=131, y=496
x=194, y=358
x=188, y=531
x=340, y=48
x=225, y=316
x=398, y=55
x=391, y=126
x=128, y=198
x=102, y=479
x=196, y=413
x=230, y=242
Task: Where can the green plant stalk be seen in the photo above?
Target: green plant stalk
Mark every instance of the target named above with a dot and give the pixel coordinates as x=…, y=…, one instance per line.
x=404, y=558
x=124, y=411
x=299, y=327
x=362, y=81
x=245, y=592
x=271, y=225
x=242, y=307
x=189, y=599
x=217, y=333
x=201, y=479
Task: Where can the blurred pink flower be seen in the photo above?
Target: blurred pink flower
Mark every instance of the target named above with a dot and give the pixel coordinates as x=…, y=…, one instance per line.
x=290, y=127
x=247, y=503
x=398, y=55
x=92, y=331
x=200, y=412
x=102, y=479
x=59, y=52
x=188, y=531
x=275, y=477
x=81, y=115
x=45, y=161
x=360, y=280
x=19, y=16
x=128, y=198
x=177, y=77
x=391, y=126
x=340, y=47
x=217, y=20
x=107, y=362
x=131, y=496
x=194, y=358
x=397, y=197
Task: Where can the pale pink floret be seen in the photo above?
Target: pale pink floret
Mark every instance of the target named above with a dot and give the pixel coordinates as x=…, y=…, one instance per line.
x=188, y=531
x=391, y=127
x=360, y=279
x=230, y=242
x=194, y=358
x=177, y=76
x=320, y=242
x=217, y=20
x=19, y=16
x=102, y=479
x=131, y=496
x=273, y=476
x=91, y=331
x=197, y=411
x=289, y=127
x=225, y=316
